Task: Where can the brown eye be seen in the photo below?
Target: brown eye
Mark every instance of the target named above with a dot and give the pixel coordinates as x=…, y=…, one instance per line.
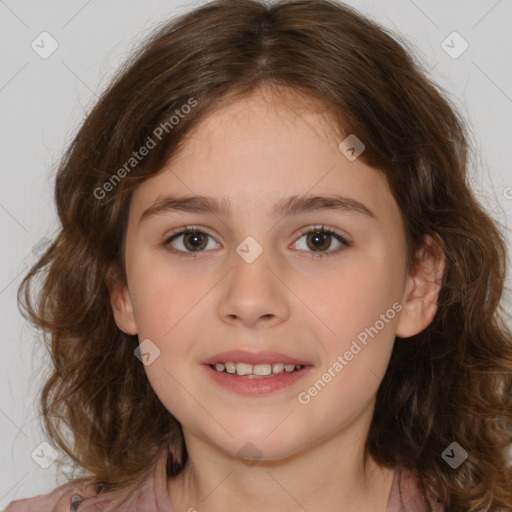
x=188, y=241
x=319, y=241
x=195, y=240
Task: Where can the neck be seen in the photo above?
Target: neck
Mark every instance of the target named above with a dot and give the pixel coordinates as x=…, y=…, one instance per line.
x=329, y=477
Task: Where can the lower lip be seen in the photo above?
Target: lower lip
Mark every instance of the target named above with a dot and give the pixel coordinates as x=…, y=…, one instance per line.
x=256, y=386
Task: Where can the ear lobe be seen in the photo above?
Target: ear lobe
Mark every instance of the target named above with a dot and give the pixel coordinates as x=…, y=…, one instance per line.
x=121, y=302
x=422, y=290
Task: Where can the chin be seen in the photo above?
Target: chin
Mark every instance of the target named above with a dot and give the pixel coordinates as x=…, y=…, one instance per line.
x=254, y=448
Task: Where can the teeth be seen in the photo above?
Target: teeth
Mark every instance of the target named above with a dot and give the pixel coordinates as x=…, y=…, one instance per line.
x=231, y=367
x=260, y=370
x=243, y=368
x=277, y=367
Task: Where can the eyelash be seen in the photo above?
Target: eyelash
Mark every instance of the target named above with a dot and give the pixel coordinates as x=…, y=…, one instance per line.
x=314, y=255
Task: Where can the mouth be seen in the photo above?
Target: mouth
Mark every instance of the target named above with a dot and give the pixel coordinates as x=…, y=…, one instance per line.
x=257, y=371
x=249, y=383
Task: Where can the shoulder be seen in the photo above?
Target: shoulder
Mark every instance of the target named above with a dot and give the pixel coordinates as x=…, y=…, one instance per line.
x=406, y=495
x=58, y=500
x=148, y=494
x=71, y=497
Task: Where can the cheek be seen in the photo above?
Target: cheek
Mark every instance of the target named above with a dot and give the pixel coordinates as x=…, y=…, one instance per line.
x=361, y=308
x=163, y=296
x=355, y=297
x=362, y=318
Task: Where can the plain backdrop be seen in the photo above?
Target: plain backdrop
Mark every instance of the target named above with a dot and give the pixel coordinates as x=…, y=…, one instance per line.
x=43, y=100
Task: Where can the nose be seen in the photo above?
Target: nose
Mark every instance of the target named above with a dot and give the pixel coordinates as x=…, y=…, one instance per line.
x=254, y=294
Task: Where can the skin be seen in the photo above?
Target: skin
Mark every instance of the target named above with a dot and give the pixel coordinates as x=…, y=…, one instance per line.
x=255, y=152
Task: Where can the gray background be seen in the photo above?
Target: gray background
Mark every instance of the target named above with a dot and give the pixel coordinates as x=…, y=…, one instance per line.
x=43, y=101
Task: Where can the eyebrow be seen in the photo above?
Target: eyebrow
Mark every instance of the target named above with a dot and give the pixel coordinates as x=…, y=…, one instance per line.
x=292, y=205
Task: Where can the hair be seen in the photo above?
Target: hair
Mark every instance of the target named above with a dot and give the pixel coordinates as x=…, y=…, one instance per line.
x=451, y=382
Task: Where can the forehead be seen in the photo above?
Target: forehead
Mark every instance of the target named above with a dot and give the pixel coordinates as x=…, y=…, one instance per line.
x=265, y=113
x=256, y=150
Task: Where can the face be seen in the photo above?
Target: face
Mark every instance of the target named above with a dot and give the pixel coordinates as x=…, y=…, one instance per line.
x=307, y=283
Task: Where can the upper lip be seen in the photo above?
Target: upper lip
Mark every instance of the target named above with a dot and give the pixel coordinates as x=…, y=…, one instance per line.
x=244, y=356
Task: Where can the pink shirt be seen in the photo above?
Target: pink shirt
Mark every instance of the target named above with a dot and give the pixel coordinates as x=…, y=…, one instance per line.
x=151, y=496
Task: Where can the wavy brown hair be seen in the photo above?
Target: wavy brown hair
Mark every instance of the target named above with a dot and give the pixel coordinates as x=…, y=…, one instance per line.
x=451, y=382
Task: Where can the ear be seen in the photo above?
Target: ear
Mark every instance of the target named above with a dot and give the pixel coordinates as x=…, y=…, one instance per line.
x=422, y=290
x=121, y=301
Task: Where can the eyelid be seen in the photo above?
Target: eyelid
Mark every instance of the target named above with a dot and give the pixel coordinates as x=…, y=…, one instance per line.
x=190, y=227
x=327, y=229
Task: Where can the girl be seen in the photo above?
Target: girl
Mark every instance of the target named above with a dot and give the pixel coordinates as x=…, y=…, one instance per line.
x=273, y=287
